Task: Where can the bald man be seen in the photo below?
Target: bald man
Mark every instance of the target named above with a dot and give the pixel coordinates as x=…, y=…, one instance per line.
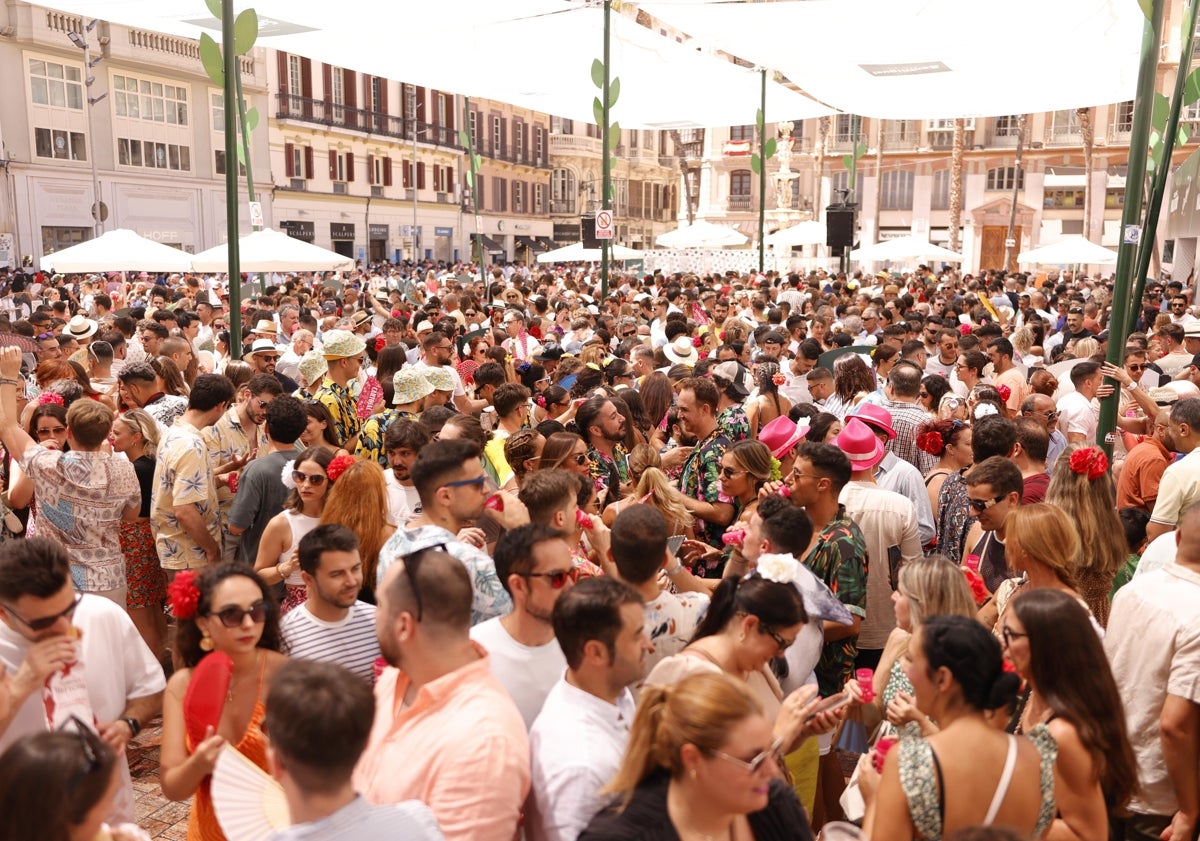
x=1042, y=408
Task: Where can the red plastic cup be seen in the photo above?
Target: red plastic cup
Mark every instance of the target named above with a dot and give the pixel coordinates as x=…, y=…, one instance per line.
x=885, y=744
x=866, y=683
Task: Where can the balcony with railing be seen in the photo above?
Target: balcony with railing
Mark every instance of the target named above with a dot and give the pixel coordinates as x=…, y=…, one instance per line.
x=901, y=134
x=739, y=202
x=320, y=112
x=558, y=206
x=574, y=144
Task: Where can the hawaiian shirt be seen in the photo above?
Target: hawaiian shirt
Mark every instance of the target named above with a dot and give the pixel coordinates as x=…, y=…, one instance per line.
x=584, y=564
x=701, y=480
x=166, y=409
x=373, y=432
x=182, y=476
x=226, y=440
x=81, y=497
x=732, y=421
x=342, y=406
x=601, y=467
x=490, y=598
x=839, y=558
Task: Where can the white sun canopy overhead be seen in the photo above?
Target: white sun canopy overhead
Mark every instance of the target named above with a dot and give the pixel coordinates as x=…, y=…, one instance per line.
x=535, y=54
x=918, y=59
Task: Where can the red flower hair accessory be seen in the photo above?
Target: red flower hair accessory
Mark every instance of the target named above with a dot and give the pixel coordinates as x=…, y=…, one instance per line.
x=964, y=330
x=338, y=466
x=779, y=378
x=1004, y=391
x=1090, y=462
x=380, y=342
x=183, y=595
x=698, y=341
x=50, y=397
x=931, y=442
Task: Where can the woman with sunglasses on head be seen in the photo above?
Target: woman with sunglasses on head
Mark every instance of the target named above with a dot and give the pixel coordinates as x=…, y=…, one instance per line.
x=1051, y=641
x=225, y=608
x=277, y=561
x=701, y=763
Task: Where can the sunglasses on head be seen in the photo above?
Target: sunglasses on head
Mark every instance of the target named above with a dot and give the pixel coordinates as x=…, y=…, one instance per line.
x=233, y=616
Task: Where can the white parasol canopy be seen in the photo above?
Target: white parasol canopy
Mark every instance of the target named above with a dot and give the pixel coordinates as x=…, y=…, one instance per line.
x=576, y=253
x=806, y=233
x=120, y=250
x=701, y=234
x=272, y=251
x=904, y=248
x=1069, y=251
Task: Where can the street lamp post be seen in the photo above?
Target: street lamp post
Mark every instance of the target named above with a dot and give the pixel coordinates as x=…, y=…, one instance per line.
x=80, y=40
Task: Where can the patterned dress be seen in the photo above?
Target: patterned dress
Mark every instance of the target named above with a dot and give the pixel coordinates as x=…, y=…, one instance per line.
x=701, y=480
x=839, y=558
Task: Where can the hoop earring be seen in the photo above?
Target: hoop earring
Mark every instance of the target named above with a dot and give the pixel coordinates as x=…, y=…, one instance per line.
x=206, y=643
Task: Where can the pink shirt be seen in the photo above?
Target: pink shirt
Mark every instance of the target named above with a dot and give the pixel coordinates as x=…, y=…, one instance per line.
x=461, y=747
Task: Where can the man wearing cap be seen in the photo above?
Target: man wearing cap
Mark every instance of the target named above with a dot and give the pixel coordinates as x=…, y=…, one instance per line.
x=895, y=474
x=410, y=390
x=888, y=522
x=731, y=415
x=262, y=358
x=424, y=328
x=344, y=355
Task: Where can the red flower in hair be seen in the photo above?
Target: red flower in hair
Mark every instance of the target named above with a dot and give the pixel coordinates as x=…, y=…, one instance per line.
x=931, y=442
x=698, y=341
x=779, y=378
x=965, y=330
x=1004, y=391
x=183, y=595
x=380, y=342
x=50, y=397
x=338, y=466
x=979, y=590
x=1089, y=461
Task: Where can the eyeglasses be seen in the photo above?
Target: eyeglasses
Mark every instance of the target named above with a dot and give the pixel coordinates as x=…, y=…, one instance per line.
x=784, y=644
x=982, y=505
x=316, y=479
x=51, y=431
x=755, y=763
x=462, y=483
x=1008, y=635
x=234, y=616
x=557, y=579
x=1050, y=416
x=46, y=621
x=729, y=472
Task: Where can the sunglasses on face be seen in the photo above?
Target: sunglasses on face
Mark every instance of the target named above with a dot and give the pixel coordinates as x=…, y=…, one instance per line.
x=50, y=432
x=233, y=616
x=316, y=479
x=557, y=579
x=755, y=763
x=1134, y=367
x=462, y=483
x=981, y=505
x=729, y=472
x=45, y=622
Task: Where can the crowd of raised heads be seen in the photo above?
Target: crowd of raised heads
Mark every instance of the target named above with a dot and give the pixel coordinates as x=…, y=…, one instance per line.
x=430, y=552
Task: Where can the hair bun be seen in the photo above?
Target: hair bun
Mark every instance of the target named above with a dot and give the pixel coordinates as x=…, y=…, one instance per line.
x=1004, y=691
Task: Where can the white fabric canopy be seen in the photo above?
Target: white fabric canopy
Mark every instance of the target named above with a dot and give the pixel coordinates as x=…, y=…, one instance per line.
x=904, y=248
x=272, y=251
x=914, y=59
x=805, y=233
x=1072, y=250
x=576, y=253
x=120, y=250
x=701, y=234
x=664, y=84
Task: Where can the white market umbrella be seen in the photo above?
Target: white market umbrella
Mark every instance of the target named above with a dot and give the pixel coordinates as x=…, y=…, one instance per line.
x=576, y=253
x=904, y=248
x=701, y=234
x=1072, y=250
x=272, y=251
x=120, y=250
x=806, y=233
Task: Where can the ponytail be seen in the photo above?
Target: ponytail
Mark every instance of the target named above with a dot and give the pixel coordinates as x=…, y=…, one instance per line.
x=642, y=752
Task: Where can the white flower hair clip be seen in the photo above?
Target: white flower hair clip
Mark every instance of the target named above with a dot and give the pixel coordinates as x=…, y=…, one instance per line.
x=782, y=569
x=286, y=475
x=985, y=409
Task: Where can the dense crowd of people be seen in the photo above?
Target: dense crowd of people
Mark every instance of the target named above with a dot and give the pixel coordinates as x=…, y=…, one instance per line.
x=486, y=556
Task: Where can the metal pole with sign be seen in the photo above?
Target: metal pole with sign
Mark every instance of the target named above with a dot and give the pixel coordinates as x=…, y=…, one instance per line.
x=231, y=178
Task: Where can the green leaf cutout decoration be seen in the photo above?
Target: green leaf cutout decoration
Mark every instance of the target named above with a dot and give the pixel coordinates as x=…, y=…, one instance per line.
x=598, y=111
x=755, y=163
x=476, y=162
x=245, y=31
x=241, y=154
x=614, y=91
x=1191, y=88
x=214, y=6
x=614, y=136
x=758, y=119
x=1147, y=7
x=464, y=140
x=769, y=147
x=251, y=119
x=210, y=57
x=598, y=73
x=471, y=179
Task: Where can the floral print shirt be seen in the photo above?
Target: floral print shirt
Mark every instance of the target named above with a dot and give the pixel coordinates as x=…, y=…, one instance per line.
x=341, y=404
x=839, y=558
x=182, y=476
x=226, y=439
x=373, y=432
x=732, y=421
x=701, y=480
x=606, y=469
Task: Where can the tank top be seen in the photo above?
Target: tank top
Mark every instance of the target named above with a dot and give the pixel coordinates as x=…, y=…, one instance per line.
x=300, y=524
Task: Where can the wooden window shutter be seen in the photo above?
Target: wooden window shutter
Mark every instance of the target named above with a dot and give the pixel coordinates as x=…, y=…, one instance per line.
x=332, y=165
x=407, y=171
x=450, y=121
x=309, y=165
x=387, y=172
x=327, y=82
x=383, y=96
x=348, y=83
x=306, y=77
x=503, y=136
x=449, y=179
x=289, y=163
x=371, y=169
x=422, y=112
x=282, y=58
x=437, y=177
x=420, y=175
x=349, y=166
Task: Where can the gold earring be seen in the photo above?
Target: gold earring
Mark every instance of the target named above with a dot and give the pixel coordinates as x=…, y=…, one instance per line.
x=206, y=643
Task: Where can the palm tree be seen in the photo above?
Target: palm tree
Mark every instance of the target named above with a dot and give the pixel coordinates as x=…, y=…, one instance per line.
x=956, y=174
x=1087, y=129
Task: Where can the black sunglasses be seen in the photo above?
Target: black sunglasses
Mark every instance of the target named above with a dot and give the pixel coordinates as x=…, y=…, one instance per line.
x=233, y=616
x=46, y=621
x=982, y=505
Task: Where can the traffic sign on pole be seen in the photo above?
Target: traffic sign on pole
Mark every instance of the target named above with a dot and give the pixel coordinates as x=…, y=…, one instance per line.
x=604, y=224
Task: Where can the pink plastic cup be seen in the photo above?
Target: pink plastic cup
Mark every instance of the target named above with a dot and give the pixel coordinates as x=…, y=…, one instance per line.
x=866, y=683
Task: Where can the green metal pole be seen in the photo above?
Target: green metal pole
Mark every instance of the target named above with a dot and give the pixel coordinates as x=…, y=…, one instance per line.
x=606, y=165
x=1162, y=172
x=477, y=238
x=762, y=174
x=231, y=176
x=1134, y=188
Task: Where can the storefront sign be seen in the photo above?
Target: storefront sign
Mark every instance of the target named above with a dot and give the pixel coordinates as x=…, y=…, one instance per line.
x=299, y=230
x=443, y=232
x=378, y=232
x=341, y=230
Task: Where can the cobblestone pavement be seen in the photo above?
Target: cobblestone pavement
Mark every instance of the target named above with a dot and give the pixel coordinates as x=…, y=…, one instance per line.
x=160, y=817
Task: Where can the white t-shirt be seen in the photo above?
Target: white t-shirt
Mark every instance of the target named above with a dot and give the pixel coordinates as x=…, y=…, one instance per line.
x=404, y=502
x=527, y=673
x=1078, y=416
x=350, y=643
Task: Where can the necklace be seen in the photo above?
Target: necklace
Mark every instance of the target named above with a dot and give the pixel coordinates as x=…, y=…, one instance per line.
x=232, y=683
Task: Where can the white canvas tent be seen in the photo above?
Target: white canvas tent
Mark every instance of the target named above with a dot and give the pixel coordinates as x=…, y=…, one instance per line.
x=272, y=251
x=576, y=253
x=120, y=250
x=805, y=233
x=701, y=234
x=1069, y=251
x=904, y=248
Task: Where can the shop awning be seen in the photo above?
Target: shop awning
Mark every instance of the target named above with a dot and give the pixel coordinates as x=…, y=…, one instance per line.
x=546, y=243
x=528, y=242
x=490, y=245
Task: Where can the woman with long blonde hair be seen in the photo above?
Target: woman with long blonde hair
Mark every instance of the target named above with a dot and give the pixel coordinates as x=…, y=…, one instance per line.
x=358, y=500
x=653, y=488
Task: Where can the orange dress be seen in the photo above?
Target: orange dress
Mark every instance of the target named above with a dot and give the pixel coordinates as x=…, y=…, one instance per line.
x=202, y=822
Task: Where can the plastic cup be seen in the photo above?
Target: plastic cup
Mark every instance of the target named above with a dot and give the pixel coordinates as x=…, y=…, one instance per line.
x=866, y=683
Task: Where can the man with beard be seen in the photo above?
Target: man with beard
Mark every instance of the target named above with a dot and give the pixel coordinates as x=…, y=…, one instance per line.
x=603, y=430
x=332, y=625
x=446, y=731
x=439, y=349
x=239, y=434
x=262, y=358
x=534, y=564
x=404, y=439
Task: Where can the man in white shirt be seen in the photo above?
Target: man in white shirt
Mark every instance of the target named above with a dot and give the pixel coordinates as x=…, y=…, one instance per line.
x=1076, y=416
x=534, y=564
x=332, y=624
x=578, y=741
x=401, y=443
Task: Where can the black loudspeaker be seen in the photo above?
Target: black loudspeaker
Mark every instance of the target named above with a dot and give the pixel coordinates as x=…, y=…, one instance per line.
x=587, y=231
x=839, y=227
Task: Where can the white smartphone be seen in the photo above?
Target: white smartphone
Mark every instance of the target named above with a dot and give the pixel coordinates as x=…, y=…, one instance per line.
x=833, y=702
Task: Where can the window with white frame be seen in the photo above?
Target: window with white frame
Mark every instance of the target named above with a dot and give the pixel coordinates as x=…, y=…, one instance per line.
x=150, y=100
x=298, y=162
x=1122, y=122
x=337, y=90
x=1065, y=122
x=295, y=76
x=519, y=134
x=376, y=169
x=150, y=154
x=847, y=128
x=60, y=143
x=896, y=190
x=539, y=198
x=1003, y=178
x=561, y=125
x=562, y=191
x=839, y=182
x=940, y=197
x=1008, y=125
x=56, y=85
x=497, y=134
x=539, y=144
x=473, y=126
x=519, y=197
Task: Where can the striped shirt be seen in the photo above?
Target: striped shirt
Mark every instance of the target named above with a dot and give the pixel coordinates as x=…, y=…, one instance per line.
x=350, y=643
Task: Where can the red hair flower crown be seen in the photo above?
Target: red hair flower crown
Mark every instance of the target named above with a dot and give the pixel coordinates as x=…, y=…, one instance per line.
x=1090, y=462
x=183, y=595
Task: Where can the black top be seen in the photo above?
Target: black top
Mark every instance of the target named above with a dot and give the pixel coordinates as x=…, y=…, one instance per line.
x=646, y=817
x=143, y=466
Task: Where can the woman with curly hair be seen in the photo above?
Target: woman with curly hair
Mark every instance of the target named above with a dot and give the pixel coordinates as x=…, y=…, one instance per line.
x=653, y=488
x=769, y=403
x=358, y=500
x=852, y=382
x=522, y=452
x=1081, y=485
x=950, y=441
x=226, y=609
x=933, y=387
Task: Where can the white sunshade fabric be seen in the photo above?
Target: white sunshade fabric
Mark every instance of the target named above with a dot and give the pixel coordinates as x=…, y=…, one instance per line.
x=904, y=248
x=1071, y=250
x=119, y=250
x=913, y=59
x=701, y=234
x=664, y=84
x=576, y=253
x=272, y=251
x=805, y=233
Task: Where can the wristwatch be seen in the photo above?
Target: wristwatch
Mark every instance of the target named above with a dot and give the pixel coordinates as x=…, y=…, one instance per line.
x=134, y=727
x=1131, y=385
